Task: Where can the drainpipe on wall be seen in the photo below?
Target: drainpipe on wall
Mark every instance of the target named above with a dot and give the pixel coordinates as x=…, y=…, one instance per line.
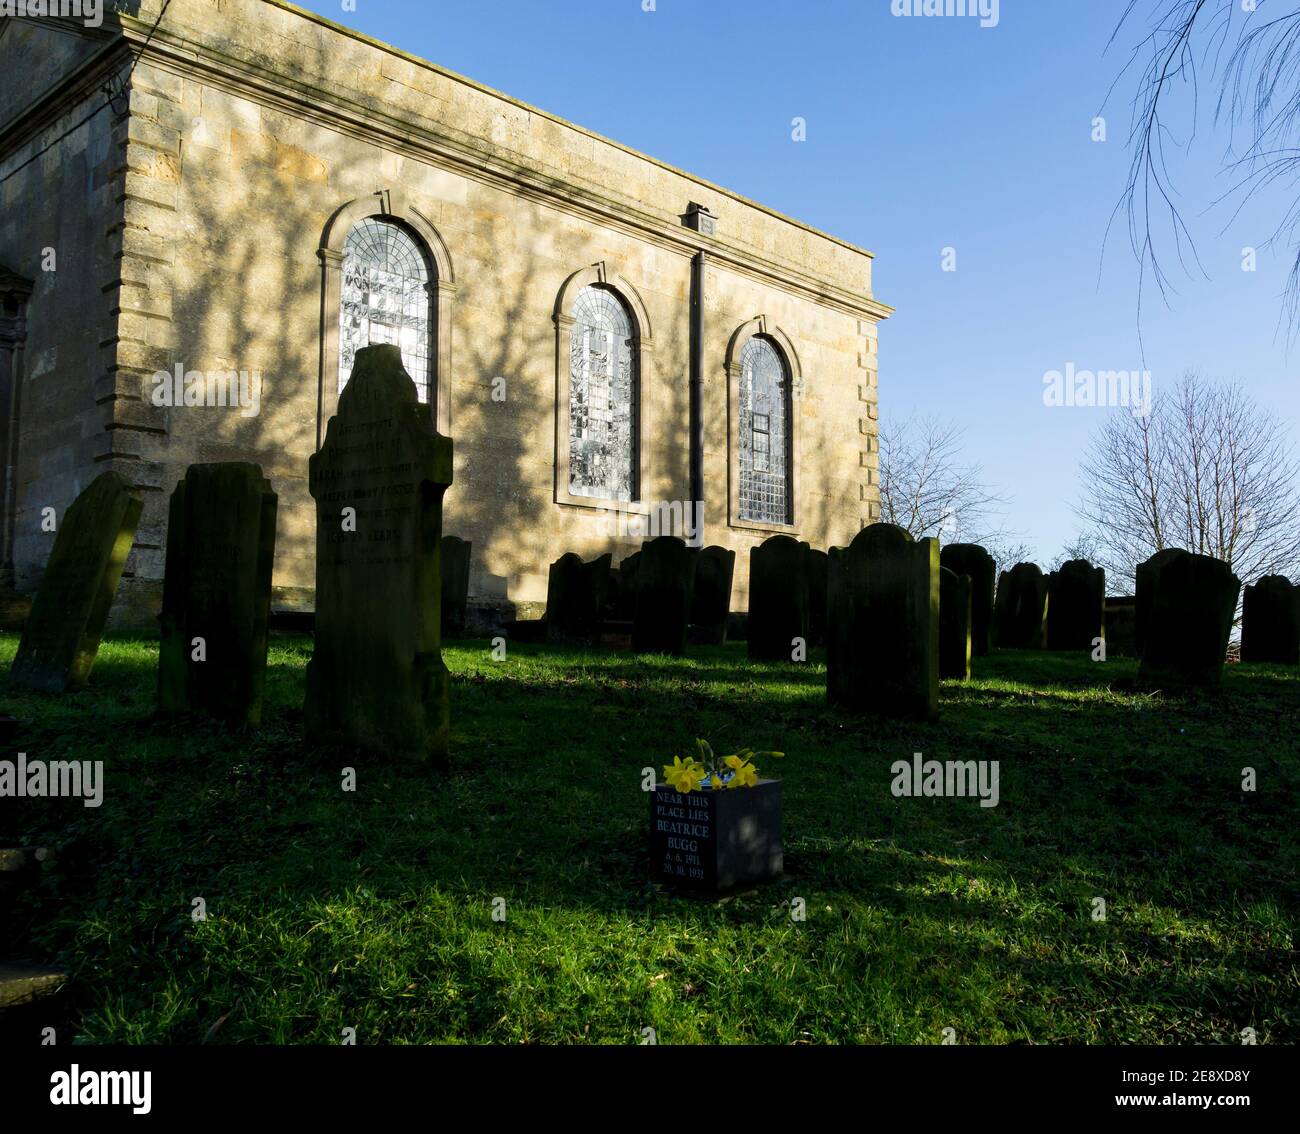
x=697, y=392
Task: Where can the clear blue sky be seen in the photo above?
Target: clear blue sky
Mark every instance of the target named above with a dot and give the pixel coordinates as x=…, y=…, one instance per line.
x=923, y=133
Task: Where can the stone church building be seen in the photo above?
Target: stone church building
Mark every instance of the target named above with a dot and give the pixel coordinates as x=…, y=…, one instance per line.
x=241, y=194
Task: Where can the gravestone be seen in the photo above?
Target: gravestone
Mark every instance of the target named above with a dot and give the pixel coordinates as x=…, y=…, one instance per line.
x=626, y=609
x=714, y=841
x=818, y=563
x=954, y=624
x=61, y=635
x=217, y=593
x=665, y=578
x=1193, y=602
x=1270, y=622
x=1145, y=577
x=1020, y=612
x=455, y=584
x=882, y=624
x=973, y=560
x=1120, y=627
x=575, y=599
x=1076, y=606
x=778, y=598
x=376, y=679
x=711, y=602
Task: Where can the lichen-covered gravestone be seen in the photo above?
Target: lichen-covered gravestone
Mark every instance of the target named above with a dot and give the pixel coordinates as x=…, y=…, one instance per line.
x=1145, y=576
x=973, y=560
x=575, y=599
x=62, y=632
x=778, y=598
x=817, y=563
x=711, y=601
x=455, y=584
x=376, y=679
x=882, y=624
x=217, y=593
x=665, y=580
x=1270, y=622
x=1076, y=606
x=1192, y=605
x=954, y=624
x=1020, y=613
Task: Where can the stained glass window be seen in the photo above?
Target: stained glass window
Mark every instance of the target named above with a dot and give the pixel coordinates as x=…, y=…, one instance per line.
x=602, y=397
x=386, y=299
x=764, y=434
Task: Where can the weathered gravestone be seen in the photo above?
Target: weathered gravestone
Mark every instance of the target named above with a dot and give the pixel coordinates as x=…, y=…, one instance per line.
x=1120, y=627
x=882, y=624
x=62, y=632
x=1076, y=606
x=711, y=602
x=575, y=599
x=1020, y=613
x=1270, y=622
x=817, y=563
x=625, y=611
x=454, y=569
x=971, y=559
x=1192, y=607
x=954, y=624
x=217, y=593
x=665, y=578
x=778, y=598
x=376, y=679
x=1145, y=576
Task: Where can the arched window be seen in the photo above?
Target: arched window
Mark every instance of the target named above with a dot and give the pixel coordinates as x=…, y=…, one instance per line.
x=764, y=433
x=602, y=397
x=387, y=297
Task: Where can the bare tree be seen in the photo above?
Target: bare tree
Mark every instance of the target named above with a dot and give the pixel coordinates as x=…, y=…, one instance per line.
x=927, y=488
x=1208, y=470
x=1256, y=56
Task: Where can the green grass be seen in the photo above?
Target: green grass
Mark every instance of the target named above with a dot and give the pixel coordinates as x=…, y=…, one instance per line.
x=373, y=910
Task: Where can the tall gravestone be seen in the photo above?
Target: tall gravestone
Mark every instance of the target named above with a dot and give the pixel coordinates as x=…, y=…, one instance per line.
x=882, y=624
x=217, y=593
x=711, y=601
x=62, y=632
x=1020, y=613
x=376, y=679
x=455, y=584
x=778, y=598
x=1270, y=622
x=1193, y=603
x=818, y=563
x=973, y=560
x=1076, y=606
x=575, y=599
x=1145, y=577
x=954, y=624
x=665, y=580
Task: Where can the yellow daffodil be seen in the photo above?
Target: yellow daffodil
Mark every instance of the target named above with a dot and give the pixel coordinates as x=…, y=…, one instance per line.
x=746, y=776
x=676, y=768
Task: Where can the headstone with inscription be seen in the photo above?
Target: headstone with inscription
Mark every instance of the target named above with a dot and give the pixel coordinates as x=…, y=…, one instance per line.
x=954, y=625
x=714, y=841
x=1270, y=622
x=1193, y=603
x=217, y=593
x=778, y=598
x=711, y=600
x=1076, y=606
x=575, y=599
x=882, y=624
x=973, y=560
x=376, y=679
x=665, y=582
x=455, y=584
x=91, y=543
x=1020, y=612
x=818, y=564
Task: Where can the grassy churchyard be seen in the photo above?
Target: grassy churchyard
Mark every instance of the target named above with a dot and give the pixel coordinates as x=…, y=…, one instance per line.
x=373, y=909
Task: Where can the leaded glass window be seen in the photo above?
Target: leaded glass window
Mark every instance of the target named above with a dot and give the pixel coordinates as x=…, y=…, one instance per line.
x=764, y=434
x=602, y=397
x=386, y=299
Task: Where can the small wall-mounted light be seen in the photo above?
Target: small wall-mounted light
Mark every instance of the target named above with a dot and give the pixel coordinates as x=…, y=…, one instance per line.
x=701, y=219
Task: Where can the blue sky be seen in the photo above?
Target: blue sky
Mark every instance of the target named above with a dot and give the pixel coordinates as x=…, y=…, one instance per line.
x=922, y=133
